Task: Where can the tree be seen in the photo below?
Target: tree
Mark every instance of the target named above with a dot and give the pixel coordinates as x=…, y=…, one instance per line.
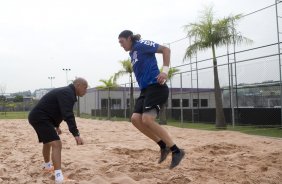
x=108, y=85
x=2, y=93
x=127, y=69
x=11, y=106
x=211, y=33
x=2, y=98
x=163, y=119
x=18, y=98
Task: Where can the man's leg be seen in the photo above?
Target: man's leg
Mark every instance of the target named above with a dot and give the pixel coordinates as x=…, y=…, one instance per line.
x=56, y=153
x=149, y=121
x=46, y=151
x=136, y=120
x=56, y=159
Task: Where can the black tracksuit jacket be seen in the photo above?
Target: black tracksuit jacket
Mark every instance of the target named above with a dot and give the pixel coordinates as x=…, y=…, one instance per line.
x=56, y=106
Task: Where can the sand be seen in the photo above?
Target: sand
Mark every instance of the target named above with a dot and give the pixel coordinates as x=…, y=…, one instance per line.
x=116, y=153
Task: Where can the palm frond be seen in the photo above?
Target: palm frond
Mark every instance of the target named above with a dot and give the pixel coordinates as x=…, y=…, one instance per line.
x=192, y=49
x=172, y=72
x=208, y=32
x=109, y=83
x=120, y=73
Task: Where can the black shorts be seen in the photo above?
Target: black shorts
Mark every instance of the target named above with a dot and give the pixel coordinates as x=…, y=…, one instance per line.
x=45, y=131
x=152, y=97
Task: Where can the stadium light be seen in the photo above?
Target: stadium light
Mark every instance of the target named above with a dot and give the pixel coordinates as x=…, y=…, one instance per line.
x=51, y=79
x=67, y=70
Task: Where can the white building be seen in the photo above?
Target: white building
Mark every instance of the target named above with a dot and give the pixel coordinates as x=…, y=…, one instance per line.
x=119, y=99
x=39, y=93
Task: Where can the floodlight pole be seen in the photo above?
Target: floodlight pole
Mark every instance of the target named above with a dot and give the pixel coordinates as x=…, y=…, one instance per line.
x=51, y=79
x=67, y=70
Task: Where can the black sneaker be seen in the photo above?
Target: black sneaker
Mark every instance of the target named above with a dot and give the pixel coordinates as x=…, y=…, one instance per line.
x=164, y=153
x=176, y=158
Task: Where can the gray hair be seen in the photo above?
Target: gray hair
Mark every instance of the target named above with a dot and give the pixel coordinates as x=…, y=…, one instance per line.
x=80, y=80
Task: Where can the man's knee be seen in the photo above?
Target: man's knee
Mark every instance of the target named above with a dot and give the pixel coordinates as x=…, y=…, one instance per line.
x=56, y=144
x=136, y=118
x=147, y=119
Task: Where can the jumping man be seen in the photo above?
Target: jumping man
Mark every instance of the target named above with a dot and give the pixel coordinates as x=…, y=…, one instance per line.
x=154, y=91
x=46, y=116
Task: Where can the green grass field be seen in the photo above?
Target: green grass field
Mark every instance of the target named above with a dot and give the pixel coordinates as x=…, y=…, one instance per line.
x=13, y=115
x=270, y=132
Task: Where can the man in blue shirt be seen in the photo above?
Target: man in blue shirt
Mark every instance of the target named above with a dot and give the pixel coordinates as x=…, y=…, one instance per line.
x=154, y=91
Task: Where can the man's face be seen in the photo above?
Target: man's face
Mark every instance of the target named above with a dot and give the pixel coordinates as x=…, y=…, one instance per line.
x=81, y=89
x=125, y=43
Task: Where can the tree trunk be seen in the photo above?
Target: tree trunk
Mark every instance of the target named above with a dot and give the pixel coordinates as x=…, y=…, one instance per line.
x=131, y=98
x=109, y=107
x=78, y=107
x=163, y=120
x=220, y=118
x=5, y=110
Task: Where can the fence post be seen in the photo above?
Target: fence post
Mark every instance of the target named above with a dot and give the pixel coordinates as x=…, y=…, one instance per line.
x=279, y=55
x=181, y=99
x=232, y=97
x=229, y=80
x=124, y=101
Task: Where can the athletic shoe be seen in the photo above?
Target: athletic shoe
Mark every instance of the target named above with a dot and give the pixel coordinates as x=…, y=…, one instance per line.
x=176, y=158
x=164, y=153
x=59, y=178
x=48, y=169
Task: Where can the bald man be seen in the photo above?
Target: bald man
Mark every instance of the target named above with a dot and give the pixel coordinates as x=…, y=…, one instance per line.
x=46, y=117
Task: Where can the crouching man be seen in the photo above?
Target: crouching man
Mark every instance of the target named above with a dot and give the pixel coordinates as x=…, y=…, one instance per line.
x=46, y=116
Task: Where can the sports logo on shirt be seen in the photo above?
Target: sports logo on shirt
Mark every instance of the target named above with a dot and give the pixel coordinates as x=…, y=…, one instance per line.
x=147, y=42
x=134, y=58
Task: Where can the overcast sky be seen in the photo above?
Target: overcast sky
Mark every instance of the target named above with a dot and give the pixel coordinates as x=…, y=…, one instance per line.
x=39, y=38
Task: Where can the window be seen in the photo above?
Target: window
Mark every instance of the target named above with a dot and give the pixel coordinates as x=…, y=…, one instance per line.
x=185, y=102
x=104, y=103
x=115, y=103
x=175, y=102
x=204, y=102
x=195, y=102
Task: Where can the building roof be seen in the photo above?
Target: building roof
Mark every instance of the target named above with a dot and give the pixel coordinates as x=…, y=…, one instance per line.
x=173, y=90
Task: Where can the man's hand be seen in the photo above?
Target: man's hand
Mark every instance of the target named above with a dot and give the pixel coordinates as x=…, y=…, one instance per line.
x=79, y=141
x=59, y=131
x=162, y=77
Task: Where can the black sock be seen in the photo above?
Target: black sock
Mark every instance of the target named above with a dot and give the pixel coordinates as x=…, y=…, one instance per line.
x=162, y=144
x=174, y=149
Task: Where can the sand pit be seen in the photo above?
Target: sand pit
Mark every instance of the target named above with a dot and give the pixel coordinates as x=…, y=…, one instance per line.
x=116, y=153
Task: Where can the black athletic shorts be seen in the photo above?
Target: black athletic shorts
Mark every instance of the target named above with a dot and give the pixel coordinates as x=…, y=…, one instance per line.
x=152, y=97
x=45, y=131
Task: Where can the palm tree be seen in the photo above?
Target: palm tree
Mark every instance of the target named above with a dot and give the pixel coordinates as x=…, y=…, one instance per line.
x=211, y=33
x=127, y=69
x=163, y=119
x=108, y=85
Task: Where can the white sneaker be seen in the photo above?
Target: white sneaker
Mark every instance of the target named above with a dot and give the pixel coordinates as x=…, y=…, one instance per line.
x=59, y=178
x=47, y=167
